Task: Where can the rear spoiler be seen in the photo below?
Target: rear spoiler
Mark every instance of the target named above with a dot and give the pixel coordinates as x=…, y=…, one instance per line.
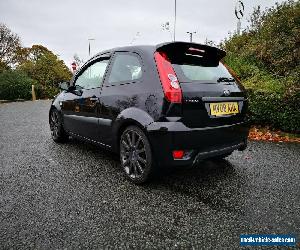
x=192, y=53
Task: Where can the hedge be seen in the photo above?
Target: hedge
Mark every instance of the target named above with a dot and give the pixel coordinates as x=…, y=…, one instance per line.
x=279, y=111
x=14, y=85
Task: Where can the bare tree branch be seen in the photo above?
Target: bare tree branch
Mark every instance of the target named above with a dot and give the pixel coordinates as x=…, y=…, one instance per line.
x=9, y=44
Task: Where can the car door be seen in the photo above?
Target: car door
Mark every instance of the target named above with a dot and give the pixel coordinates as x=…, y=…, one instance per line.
x=120, y=90
x=81, y=108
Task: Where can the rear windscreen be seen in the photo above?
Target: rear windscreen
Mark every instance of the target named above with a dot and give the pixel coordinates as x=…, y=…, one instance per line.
x=191, y=73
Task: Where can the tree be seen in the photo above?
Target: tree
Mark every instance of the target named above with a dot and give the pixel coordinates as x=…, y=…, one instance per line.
x=42, y=65
x=272, y=40
x=3, y=66
x=279, y=38
x=9, y=44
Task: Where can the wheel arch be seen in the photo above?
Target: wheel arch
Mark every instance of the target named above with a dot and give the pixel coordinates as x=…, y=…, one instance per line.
x=54, y=105
x=130, y=117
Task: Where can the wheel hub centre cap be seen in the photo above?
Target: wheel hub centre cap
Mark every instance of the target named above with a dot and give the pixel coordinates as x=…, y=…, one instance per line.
x=133, y=155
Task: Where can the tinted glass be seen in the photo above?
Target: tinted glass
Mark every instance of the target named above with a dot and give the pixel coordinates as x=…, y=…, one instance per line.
x=92, y=77
x=189, y=73
x=126, y=67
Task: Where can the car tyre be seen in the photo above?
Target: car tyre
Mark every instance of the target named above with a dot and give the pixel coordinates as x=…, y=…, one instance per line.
x=58, y=133
x=136, y=156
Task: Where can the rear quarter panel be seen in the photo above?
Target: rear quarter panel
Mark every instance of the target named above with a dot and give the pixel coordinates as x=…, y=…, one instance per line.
x=138, y=102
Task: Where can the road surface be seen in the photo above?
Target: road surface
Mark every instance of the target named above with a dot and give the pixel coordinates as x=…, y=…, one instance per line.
x=74, y=195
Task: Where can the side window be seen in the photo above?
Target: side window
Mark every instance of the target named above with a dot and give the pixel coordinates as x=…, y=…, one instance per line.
x=92, y=76
x=126, y=67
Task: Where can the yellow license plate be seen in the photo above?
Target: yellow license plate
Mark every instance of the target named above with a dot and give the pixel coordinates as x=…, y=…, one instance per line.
x=224, y=108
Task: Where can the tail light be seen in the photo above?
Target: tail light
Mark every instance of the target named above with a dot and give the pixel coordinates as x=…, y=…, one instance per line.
x=168, y=78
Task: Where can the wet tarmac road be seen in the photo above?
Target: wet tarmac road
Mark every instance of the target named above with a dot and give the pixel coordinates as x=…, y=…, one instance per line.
x=75, y=196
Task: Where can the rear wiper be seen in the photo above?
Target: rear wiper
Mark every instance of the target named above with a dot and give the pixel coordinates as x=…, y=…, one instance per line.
x=226, y=79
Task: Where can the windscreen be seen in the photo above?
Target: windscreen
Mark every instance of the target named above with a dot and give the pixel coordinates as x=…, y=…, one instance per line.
x=199, y=73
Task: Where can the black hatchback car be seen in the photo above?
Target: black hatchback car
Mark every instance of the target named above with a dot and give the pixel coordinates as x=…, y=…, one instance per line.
x=173, y=104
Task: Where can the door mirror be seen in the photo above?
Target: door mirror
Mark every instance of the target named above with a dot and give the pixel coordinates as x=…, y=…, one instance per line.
x=72, y=89
x=77, y=92
x=64, y=85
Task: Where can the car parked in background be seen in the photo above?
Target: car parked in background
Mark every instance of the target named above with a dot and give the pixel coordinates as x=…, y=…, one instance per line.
x=173, y=104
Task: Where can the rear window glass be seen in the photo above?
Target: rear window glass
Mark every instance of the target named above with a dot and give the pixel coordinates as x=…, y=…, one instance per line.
x=126, y=67
x=190, y=73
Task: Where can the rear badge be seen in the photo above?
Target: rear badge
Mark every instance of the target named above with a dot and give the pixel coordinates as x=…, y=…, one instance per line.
x=226, y=92
x=192, y=100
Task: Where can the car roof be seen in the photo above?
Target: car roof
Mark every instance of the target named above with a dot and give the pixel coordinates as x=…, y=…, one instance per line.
x=135, y=48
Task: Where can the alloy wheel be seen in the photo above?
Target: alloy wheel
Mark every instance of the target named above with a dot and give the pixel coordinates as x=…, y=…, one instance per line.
x=54, y=125
x=133, y=154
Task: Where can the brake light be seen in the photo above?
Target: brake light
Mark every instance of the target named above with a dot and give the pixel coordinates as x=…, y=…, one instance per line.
x=168, y=78
x=198, y=50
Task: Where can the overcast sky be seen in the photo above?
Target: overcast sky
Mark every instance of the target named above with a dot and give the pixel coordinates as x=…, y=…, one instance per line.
x=64, y=26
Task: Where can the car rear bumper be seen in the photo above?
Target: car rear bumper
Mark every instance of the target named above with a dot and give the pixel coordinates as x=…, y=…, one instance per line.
x=201, y=143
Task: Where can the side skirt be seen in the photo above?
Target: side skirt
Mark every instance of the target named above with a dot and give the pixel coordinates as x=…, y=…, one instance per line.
x=89, y=140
